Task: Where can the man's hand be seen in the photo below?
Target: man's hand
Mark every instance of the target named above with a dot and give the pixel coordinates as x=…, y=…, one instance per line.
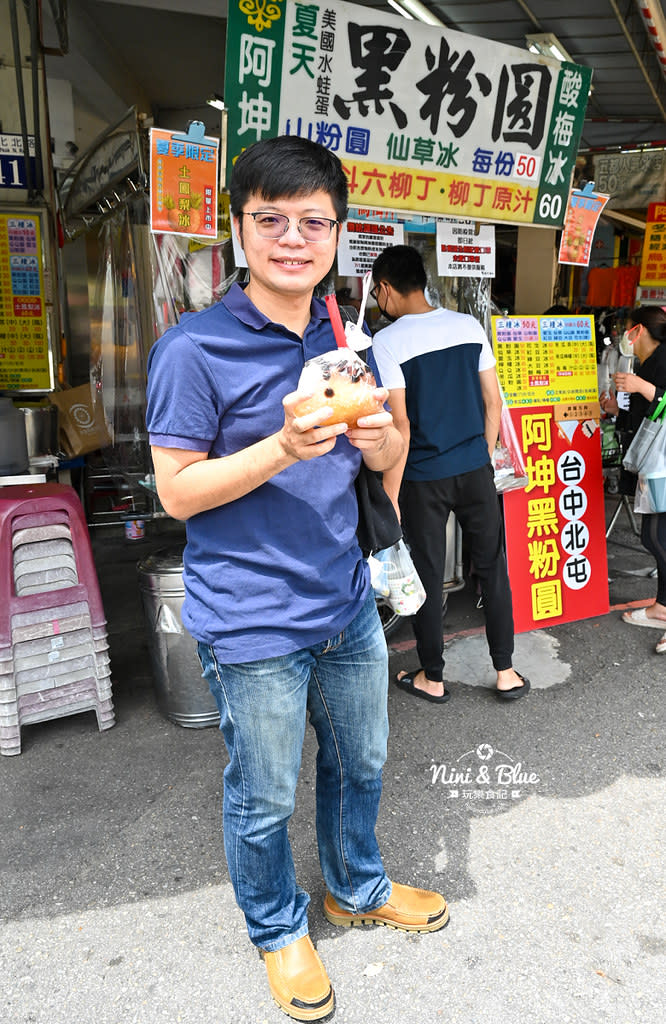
x=372, y=433
x=305, y=437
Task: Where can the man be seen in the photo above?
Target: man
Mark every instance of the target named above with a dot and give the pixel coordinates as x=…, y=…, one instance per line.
x=277, y=593
x=445, y=400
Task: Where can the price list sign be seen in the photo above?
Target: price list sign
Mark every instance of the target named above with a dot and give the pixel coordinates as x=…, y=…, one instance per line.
x=555, y=527
x=24, y=347
x=543, y=359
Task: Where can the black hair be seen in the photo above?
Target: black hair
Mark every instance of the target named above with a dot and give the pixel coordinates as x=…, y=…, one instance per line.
x=400, y=266
x=556, y=310
x=288, y=166
x=653, y=319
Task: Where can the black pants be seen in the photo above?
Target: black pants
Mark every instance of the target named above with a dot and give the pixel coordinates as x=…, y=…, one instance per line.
x=425, y=507
x=653, y=537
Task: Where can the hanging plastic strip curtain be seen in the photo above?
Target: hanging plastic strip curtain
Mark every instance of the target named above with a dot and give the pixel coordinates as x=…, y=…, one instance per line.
x=121, y=338
x=145, y=282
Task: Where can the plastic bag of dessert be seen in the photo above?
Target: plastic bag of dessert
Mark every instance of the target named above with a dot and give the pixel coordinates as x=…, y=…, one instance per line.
x=406, y=592
x=342, y=382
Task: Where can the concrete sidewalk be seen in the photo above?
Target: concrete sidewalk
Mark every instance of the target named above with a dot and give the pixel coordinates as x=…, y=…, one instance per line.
x=541, y=821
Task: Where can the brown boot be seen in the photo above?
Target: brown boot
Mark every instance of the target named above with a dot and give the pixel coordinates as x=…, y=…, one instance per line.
x=407, y=909
x=298, y=981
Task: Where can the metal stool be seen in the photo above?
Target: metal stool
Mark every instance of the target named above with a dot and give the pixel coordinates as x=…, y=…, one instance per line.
x=624, y=502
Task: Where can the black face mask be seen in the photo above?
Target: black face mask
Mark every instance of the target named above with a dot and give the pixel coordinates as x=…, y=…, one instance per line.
x=387, y=316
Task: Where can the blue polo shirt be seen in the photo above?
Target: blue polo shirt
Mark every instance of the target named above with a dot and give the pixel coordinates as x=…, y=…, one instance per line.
x=437, y=357
x=280, y=568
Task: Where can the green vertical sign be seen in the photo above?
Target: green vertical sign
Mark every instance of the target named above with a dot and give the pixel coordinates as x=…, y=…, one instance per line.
x=253, y=71
x=566, y=126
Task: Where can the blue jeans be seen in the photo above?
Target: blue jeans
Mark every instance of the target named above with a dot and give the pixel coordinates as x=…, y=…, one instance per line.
x=342, y=683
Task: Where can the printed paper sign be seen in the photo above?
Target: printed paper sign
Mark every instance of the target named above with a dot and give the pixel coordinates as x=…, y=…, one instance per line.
x=580, y=224
x=361, y=242
x=462, y=252
x=546, y=359
x=183, y=182
x=24, y=341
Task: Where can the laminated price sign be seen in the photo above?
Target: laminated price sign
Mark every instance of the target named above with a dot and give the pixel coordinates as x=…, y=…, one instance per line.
x=555, y=527
x=462, y=252
x=24, y=339
x=362, y=240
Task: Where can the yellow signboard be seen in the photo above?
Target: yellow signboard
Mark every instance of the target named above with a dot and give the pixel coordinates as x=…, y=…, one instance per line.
x=24, y=343
x=546, y=360
x=653, y=263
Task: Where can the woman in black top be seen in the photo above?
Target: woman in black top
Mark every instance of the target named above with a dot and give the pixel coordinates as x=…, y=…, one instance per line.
x=647, y=333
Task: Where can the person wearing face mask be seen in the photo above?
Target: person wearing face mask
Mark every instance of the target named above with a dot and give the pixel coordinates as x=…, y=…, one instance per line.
x=646, y=333
x=446, y=465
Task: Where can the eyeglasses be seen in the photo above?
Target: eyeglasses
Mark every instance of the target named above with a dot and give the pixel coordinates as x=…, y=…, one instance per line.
x=373, y=291
x=275, y=225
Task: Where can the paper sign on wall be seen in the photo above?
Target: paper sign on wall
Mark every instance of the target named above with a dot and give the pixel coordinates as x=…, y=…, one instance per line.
x=461, y=252
x=183, y=182
x=361, y=242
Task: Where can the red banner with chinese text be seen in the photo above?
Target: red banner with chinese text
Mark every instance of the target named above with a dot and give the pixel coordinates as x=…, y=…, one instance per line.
x=555, y=527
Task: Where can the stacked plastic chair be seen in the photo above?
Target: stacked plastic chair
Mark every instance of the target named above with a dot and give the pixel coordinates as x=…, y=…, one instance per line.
x=53, y=641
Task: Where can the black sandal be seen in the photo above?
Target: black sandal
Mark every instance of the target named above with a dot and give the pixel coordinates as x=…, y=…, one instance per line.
x=406, y=683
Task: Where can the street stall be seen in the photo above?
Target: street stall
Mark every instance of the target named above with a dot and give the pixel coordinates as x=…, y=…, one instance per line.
x=445, y=137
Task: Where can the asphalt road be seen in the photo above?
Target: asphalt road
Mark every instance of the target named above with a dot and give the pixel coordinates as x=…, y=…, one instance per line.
x=542, y=822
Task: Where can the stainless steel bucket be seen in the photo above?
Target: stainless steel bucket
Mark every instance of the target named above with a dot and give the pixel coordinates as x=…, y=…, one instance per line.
x=182, y=693
x=41, y=429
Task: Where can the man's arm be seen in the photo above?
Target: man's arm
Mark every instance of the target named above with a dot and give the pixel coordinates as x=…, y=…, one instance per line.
x=190, y=482
x=492, y=404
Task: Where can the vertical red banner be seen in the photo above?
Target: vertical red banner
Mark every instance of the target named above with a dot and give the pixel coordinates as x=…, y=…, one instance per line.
x=555, y=527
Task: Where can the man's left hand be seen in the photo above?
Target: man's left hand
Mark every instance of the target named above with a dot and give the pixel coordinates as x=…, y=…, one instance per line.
x=371, y=434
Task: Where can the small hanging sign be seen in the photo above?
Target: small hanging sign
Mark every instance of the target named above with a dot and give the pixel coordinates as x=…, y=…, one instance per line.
x=183, y=182
x=464, y=252
x=580, y=223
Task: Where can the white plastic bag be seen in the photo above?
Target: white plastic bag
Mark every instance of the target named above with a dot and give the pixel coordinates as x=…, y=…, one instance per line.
x=651, y=486
x=406, y=593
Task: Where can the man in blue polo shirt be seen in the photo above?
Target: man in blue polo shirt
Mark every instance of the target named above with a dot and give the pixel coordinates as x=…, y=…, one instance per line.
x=277, y=592
x=445, y=400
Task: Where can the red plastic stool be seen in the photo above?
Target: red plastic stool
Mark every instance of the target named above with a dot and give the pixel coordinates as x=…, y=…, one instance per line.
x=34, y=505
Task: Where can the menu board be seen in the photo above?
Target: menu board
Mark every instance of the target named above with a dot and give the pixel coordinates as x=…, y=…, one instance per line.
x=24, y=344
x=542, y=359
x=555, y=527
